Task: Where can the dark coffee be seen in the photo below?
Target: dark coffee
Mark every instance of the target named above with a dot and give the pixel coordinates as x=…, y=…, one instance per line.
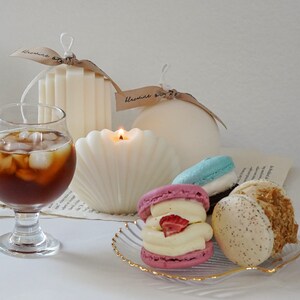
x=36, y=167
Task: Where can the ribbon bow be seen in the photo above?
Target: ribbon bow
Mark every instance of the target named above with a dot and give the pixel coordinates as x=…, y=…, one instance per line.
x=69, y=60
x=50, y=57
x=170, y=94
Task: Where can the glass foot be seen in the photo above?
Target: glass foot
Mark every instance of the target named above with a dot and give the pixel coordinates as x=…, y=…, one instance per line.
x=49, y=246
x=28, y=239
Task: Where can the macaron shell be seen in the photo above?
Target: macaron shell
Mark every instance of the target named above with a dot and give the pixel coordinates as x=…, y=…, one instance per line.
x=171, y=192
x=174, y=262
x=242, y=230
x=206, y=171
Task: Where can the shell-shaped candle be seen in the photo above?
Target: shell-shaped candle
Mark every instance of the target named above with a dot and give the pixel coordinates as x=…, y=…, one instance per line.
x=114, y=169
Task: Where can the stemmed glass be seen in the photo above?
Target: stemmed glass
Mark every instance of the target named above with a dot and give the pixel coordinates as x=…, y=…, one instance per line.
x=37, y=163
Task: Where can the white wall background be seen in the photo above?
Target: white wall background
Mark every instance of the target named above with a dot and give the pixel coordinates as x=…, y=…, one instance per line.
x=238, y=57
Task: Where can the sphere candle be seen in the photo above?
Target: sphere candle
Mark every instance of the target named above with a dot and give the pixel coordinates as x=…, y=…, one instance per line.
x=192, y=132
x=115, y=168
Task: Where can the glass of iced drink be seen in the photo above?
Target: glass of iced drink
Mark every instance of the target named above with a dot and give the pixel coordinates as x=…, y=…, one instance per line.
x=37, y=163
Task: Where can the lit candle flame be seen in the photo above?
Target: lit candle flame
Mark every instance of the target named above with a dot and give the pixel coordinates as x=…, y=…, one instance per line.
x=121, y=133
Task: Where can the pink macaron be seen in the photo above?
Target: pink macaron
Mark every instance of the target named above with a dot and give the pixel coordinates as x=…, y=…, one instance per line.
x=174, y=192
x=171, y=192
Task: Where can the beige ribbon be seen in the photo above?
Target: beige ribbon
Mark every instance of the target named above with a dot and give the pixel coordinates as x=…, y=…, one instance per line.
x=151, y=95
x=50, y=57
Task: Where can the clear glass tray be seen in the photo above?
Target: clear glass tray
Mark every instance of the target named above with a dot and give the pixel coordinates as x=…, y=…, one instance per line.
x=127, y=244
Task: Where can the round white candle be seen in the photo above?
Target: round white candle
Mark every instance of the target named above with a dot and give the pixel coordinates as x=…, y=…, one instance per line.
x=192, y=132
x=114, y=169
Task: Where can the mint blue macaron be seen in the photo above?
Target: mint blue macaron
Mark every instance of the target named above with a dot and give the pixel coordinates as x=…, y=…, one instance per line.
x=206, y=171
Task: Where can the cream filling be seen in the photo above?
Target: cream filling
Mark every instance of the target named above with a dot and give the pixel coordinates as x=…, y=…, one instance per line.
x=189, y=209
x=221, y=184
x=190, y=239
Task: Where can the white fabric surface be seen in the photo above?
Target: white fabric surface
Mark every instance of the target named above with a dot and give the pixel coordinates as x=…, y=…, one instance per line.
x=87, y=268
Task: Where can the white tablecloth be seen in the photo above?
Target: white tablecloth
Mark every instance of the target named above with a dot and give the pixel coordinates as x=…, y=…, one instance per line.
x=87, y=268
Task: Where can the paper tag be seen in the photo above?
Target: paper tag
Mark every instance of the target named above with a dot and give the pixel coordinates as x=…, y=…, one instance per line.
x=150, y=95
x=145, y=96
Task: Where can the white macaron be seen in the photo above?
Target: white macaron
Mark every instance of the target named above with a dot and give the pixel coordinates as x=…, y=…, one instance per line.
x=254, y=222
x=242, y=230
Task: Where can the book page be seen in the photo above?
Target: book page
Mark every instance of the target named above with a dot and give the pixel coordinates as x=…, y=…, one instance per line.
x=252, y=164
x=69, y=205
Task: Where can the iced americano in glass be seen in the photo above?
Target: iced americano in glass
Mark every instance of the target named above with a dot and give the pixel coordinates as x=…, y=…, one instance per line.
x=37, y=163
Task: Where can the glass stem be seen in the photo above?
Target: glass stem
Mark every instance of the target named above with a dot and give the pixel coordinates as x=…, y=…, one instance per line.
x=27, y=230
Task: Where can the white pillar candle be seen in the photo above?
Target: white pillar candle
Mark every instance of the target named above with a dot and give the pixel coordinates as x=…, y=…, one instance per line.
x=42, y=98
x=192, y=132
x=60, y=86
x=114, y=169
x=50, y=95
x=107, y=103
x=75, y=101
x=84, y=95
x=90, y=104
x=100, y=102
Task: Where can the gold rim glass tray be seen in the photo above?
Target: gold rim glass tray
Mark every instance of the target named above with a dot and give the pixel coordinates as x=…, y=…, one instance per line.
x=127, y=244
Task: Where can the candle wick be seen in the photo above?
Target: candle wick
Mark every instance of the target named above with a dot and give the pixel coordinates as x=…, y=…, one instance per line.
x=121, y=137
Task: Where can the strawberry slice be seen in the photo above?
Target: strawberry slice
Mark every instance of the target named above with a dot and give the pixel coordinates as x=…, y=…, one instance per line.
x=172, y=224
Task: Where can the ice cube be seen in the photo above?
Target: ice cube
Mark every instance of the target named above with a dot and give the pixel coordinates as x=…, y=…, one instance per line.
x=60, y=157
x=24, y=135
x=16, y=147
x=48, y=144
x=10, y=139
x=5, y=162
x=36, y=137
x=44, y=145
x=51, y=136
x=26, y=174
x=21, y=160
x=63, y=150
x=40, y=159
x=7, y=165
